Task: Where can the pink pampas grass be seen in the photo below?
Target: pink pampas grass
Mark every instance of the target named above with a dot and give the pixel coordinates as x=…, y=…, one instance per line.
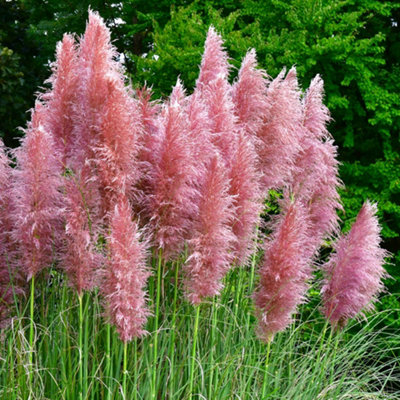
x=60, y=100
x=212, y=240
x=80, y=260
x=278, y=137
x=37, y=196
x=249, y=94
x=284, y=272
x=214, y=62
x=10, y=279
x=316, y=180
x=247, y=197
x=353, y=275
x=169, y=202
x=126, y=275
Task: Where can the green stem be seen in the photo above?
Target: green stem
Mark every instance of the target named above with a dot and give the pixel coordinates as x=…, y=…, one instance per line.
x=80, y=347
x=154, y=388
x=108, y=362
x=31, y=332
x=172, y=340
x=193, y=358
x=264, y=387
x=211, y=363
x=135, y=366
x=125, y=371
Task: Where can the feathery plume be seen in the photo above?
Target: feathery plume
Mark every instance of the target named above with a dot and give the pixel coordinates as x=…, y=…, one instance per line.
x=36, y=193
x=249, y=94
x=353, y=275
x=116, y=150
x=169, y=202
x=278, y=137
x=212, y=240
x=60, y=100
x=214, y=62
x=316, y=180
x=222, y=118
x=284, y=272
x=126, y=275
x=96, y=65
x=247, y=197
x=10, y=279
x=80, y=260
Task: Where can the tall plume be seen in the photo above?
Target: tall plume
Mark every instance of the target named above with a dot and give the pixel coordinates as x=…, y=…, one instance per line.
x=247, y=197
x=108, y=121
x=36, y=193
x=60, y=100
x=10, y=278
x=210, y=247
x=126, y=275
x=353, y=275
x=172, y=173
x=278, y=137
x=316, y=181
x=80, y=260
x=284, y=273
x=249, y=94
x=214, y=62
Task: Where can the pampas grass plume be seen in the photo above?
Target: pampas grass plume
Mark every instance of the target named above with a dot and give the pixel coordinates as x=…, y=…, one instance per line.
x=353, y=275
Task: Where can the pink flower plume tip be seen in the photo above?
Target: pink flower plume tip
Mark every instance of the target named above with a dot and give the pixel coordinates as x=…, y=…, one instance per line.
x=126, y=275
x=284, y=273
x=354, y=273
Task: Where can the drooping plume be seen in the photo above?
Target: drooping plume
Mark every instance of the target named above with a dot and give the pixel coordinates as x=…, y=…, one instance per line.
x=353, y=275
x=316, y=180
x=284, y=273
x=249, y=94
x=80, y=260
x=210, y=248
x=126, y=275
x=278, y=137
x=10, y=279
x=169, y=202
x=247, y=197
x=60, y=100
x=37, y=197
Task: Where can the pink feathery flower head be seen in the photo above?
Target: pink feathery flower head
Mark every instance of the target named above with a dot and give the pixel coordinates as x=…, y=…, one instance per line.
x=96, y=66
x=212, y=241
x=214, y=62
x=353, y=274
x=60, y=100
x=199, y=129
x=222, y=119
x=116, y=148
x=80, y=260
x=247, y=197
x=284, y=273
x=11, y=282
x=316, y=180
x=249, y=94
x=169, y=202
x=37, y=196
x=279, y=135
x=147, y=145
x=126, y=275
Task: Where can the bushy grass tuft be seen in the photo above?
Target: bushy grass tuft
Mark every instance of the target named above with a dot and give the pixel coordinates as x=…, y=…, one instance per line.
x=306, y=362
